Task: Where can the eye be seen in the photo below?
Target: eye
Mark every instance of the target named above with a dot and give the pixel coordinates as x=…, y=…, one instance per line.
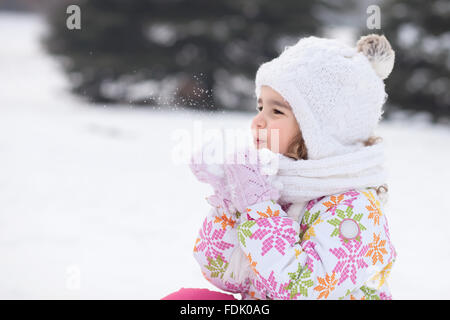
x=259, y=108
x=277, y=111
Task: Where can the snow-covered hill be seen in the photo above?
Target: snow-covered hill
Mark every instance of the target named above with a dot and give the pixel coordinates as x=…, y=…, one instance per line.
x=92, y=205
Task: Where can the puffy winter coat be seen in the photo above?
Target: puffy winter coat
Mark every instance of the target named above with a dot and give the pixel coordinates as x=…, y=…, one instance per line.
x=341, y=249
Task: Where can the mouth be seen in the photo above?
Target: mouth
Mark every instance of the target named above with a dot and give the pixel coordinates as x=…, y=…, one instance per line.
x=258, y=141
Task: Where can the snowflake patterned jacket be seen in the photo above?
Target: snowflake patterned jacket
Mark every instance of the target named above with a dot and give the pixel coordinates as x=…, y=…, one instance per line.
x=341, y=249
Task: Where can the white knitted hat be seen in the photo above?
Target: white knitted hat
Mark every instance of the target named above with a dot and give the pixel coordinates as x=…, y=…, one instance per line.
x=336, y=91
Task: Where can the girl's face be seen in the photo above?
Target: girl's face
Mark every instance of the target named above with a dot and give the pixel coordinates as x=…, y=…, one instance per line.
x=275, y=113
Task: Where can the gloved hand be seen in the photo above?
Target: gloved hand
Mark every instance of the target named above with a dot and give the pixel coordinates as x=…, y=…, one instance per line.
x=247, y=184
x=212, y=174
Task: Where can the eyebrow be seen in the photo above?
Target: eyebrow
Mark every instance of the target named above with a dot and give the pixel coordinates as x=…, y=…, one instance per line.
x=275, y=102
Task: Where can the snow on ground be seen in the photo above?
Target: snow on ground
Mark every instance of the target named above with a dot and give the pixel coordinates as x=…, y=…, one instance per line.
x=93, y=206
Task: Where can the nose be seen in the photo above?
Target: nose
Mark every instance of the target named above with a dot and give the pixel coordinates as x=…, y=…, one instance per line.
x=259, y=122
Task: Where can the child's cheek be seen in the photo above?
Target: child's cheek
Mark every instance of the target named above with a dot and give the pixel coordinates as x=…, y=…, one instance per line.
x=282, y=143
x=276, y=142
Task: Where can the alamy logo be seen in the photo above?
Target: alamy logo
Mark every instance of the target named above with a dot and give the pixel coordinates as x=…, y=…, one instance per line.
x=374, y=19
x=73, y=21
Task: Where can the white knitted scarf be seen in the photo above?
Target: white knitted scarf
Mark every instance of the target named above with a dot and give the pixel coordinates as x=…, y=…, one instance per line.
x=300, y=181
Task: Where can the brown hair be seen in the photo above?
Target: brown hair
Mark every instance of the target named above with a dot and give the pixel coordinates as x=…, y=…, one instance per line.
x=297, y=150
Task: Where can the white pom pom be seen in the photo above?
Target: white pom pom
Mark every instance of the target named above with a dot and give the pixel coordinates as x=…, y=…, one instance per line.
x=265, y=155
x=379, y=52
x=268, y=161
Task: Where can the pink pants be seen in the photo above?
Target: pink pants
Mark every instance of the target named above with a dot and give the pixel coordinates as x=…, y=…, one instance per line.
x=197, y=294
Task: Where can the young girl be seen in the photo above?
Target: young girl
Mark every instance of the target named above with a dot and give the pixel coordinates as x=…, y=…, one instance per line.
x=316, y=229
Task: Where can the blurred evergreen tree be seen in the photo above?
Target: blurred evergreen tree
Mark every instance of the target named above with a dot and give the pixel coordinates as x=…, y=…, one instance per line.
x=420, y=35
x=210, y=50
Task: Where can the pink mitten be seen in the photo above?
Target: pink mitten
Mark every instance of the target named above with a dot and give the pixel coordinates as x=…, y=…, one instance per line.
x=212, y=174
x=247, y=185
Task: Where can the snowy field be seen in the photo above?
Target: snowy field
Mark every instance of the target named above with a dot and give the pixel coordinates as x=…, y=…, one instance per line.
x=92, y=205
